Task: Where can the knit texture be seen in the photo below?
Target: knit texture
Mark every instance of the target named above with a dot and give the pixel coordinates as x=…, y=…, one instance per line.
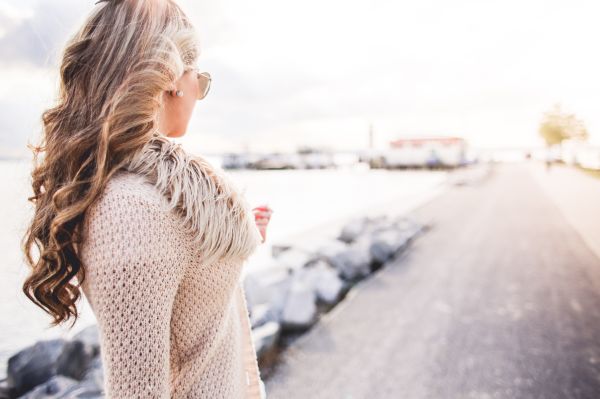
x=163, y=250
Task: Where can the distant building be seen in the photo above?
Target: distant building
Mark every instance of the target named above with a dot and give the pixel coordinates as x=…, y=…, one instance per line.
x=316, y=158
x=428, y=151
x=304, y=158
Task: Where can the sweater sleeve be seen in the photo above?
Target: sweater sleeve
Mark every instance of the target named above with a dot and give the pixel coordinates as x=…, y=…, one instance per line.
x=133, y=267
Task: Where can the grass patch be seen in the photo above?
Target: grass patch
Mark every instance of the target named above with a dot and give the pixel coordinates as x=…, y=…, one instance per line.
x=592, y=172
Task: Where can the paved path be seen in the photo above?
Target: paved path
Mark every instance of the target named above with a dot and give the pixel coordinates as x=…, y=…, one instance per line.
x=500, y=299
x=577, y=195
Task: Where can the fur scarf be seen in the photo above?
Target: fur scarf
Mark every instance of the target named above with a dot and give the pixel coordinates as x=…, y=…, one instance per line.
x=210, y=205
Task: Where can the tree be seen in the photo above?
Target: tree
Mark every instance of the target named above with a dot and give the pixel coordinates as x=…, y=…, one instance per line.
x=557, y=126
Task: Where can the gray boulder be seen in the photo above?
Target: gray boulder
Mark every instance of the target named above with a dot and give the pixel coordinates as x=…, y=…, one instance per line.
x=300, y=310
x=55, y=388
x=33, y=365
x=86, y=389
x=359, y=226
x=268, y=285
x=328, y=284
x=323, y=279
x=4, y=390
x=295, y=258
x=385, y=244
x=410, y=227
x=352, y=261
x=89, y=336
x=95, y=372
x=261, y=314
x=278, y=248
x=76, y=357
x=265, y=338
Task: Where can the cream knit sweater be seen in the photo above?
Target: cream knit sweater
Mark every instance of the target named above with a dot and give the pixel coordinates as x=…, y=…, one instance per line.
x=163, y=250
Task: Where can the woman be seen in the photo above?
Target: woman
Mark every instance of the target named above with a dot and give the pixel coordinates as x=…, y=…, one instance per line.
x=153, y=236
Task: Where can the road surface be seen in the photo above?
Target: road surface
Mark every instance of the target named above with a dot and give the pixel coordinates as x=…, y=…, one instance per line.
x=500, y=299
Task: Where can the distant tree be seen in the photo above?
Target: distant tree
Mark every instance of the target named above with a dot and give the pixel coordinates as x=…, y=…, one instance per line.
x=557, y=126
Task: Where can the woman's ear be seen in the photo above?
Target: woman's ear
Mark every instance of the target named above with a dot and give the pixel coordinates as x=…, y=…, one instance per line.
x=177, y=106
x=172, y=89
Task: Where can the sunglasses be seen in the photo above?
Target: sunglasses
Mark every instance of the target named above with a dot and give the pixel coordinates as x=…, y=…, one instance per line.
x=204, y=80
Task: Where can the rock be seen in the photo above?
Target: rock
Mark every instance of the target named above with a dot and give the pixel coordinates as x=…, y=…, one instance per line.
x=87, y=389
x=261, y=314
x=408, y=226
x=353, y=229
x=268, y=285
x=300, y=310
x=89, y=336
x=265, y=337
x=323, y=279
x=352, y=261
x=75, y=359
x=387, y=243
x=5, y=392
x=358, y=227
x=95, y=373
x=331, y=248
x=34, y=365
x=62, y=387
x=295, y=258
x=328, y=284
x=55, y=388
x=278, y=249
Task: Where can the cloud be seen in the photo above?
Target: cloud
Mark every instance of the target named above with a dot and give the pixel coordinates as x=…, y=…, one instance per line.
x=37, y=39
x=322, y=69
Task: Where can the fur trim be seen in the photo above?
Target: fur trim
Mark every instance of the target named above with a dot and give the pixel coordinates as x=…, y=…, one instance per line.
x=211, y=207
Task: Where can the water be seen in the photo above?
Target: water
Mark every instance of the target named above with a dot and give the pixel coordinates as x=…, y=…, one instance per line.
x=304, y=202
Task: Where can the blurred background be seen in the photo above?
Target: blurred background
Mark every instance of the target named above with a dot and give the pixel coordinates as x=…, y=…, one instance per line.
x=479, y=118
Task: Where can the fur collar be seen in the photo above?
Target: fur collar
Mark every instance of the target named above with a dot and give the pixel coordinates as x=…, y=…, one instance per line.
x=211, y=207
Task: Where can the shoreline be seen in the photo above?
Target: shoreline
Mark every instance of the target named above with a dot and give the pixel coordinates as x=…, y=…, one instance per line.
x=396, y=205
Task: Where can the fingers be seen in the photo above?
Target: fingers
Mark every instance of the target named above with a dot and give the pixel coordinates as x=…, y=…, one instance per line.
x=263, y=208
x=262, y=214
x=261, y=223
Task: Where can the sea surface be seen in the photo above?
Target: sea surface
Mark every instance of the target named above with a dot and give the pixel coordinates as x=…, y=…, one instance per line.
x=305, y=202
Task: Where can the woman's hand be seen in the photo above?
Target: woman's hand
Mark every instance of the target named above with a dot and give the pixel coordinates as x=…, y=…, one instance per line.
x=262, y=216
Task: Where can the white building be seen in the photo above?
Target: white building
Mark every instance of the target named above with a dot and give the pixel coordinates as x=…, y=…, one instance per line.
x=430, y=151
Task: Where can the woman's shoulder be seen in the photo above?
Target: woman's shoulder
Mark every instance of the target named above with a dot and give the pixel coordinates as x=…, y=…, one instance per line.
x=129, y=203
x=130, y=184
x=129, y=232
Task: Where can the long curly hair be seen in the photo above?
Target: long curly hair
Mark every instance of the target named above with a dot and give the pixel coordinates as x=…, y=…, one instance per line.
x=113, y=73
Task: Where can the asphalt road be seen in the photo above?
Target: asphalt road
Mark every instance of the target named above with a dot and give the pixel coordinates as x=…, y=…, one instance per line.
x=500, y=299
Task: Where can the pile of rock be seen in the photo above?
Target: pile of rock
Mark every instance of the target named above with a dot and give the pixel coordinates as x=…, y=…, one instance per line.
x=470, y=175
x=305, y=280
x=56, y=368
x=285, y=298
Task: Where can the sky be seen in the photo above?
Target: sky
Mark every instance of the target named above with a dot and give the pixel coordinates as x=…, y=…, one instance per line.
x=320, y=72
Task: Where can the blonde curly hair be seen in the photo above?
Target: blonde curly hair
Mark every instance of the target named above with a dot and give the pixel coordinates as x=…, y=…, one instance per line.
x=112, y=76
